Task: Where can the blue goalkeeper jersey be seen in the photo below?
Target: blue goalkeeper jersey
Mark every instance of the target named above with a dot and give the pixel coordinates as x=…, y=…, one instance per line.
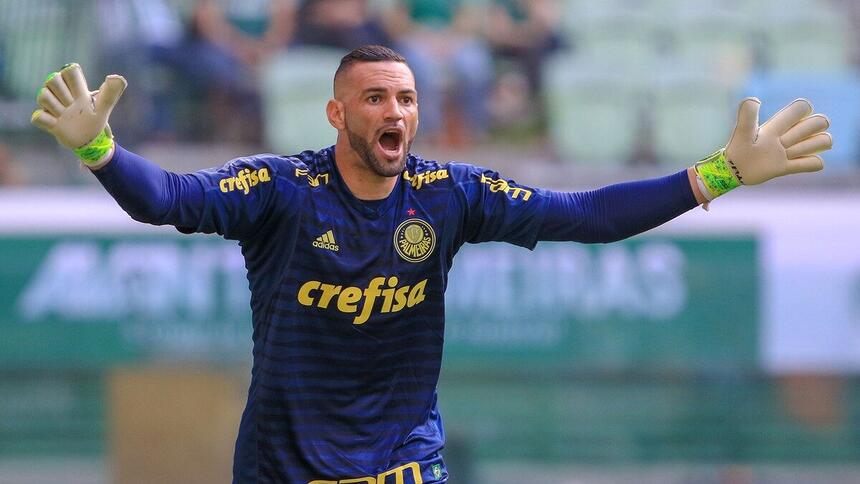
x=347, y=296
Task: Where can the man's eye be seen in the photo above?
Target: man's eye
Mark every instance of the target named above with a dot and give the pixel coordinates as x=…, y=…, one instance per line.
x=407, y=100
x=374, y=99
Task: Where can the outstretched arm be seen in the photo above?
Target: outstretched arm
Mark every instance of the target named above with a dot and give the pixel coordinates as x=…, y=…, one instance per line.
x=617, y=211
x=787, y=143
x=232, y=201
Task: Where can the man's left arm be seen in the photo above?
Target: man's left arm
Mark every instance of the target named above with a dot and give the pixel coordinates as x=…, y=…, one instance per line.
x=616, y=212
x=787, y=143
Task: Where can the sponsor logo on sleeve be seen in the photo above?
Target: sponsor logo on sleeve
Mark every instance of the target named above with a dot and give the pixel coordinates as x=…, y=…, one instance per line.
x=503, y=186
x=418, y=180
x=244, y=180
x=314, y=181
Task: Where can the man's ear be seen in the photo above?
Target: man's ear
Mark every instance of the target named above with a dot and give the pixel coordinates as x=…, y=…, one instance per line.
x=334, y=111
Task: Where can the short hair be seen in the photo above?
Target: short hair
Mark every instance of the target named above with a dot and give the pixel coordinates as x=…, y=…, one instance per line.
x=368, y=53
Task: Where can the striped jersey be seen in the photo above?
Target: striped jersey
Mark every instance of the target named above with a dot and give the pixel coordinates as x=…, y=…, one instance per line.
x=347, y=299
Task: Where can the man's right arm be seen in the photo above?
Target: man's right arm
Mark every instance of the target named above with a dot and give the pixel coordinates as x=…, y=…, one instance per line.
x=148, y=193
x=232, y=201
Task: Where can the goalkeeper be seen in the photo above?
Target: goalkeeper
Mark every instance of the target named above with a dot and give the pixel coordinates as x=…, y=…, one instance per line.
x=348, y=250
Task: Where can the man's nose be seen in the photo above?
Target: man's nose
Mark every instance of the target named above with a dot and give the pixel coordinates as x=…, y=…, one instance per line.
x=393, y=110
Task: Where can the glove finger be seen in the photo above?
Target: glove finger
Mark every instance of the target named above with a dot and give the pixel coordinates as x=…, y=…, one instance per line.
x=804, y=129
x=110, y=92
x=75, y=80
x=787, y=117
x=43, y=120
x=814, y=144
x=746, y=128
x=805, y=165
x=49, y=102
x=58, y=86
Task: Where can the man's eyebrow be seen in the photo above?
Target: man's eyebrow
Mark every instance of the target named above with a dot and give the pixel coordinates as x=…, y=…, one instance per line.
x=370, y=90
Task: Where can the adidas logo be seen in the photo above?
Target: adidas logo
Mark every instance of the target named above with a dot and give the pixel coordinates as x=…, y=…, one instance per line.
x=326, y=241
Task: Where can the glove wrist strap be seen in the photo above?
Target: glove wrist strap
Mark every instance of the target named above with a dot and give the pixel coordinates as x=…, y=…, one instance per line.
x=715, y=176
x=94, y=152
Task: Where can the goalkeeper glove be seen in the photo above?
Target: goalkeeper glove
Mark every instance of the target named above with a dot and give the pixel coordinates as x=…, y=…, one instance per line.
x=77, y=117
x=787, y=143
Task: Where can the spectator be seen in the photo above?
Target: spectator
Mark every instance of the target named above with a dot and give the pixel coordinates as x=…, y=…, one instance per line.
x=3, y=92
x=439, y=38
x=344, y=24
x=524, y=33
x=226, y=43
x=143, y=36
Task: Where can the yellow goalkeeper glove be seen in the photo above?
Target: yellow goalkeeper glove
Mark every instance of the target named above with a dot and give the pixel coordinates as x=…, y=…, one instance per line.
x=77, y=117
x=787, y=143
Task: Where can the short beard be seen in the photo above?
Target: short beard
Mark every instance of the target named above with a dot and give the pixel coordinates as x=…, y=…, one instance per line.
x=365, y=152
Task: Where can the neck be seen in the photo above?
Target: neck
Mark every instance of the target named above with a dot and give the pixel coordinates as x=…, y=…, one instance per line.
x=359, y=178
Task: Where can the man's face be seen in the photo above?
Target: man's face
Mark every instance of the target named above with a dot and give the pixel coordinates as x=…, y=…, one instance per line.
x=380, y=109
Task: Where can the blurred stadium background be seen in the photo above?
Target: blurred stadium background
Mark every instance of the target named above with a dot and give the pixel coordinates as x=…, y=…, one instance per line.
x=721, y=348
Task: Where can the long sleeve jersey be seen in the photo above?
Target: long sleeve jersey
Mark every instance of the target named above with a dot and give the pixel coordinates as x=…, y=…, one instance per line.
x=347, y=296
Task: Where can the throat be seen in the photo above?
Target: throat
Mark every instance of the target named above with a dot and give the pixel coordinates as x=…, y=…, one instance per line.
x=361, y=181
x=373, y=204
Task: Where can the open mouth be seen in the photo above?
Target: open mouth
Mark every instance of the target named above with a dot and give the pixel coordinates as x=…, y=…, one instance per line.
x=390, y=141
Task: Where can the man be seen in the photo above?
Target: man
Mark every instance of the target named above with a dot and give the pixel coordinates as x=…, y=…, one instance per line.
x=348, y=250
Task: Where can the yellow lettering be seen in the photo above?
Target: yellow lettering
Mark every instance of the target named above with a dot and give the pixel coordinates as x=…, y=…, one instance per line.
x=370, y=295
x=416, y=295
x=305, y=297
x=415, y=250
x=388, y=294
x=329, y=291
x=245, y=176
x=244, y=180
x=418, y=180
x=521, y=191
x=399, y=298
x=505, y=187
x=363, y=300
x=347, y=299
x=313, y=181
x=399, y=472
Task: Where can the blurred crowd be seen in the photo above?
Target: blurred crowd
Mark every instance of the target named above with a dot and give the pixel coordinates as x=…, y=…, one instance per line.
x=661, y=78
x=476, y=64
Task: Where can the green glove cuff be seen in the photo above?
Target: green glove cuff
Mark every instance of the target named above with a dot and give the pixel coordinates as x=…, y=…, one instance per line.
x=94, y=152
x=716, y=175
